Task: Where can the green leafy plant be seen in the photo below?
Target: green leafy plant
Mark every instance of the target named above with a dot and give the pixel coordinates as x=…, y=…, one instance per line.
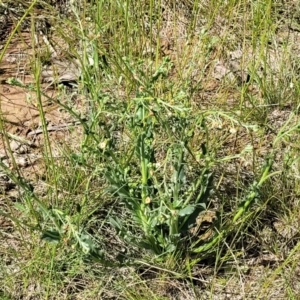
x=164, y=199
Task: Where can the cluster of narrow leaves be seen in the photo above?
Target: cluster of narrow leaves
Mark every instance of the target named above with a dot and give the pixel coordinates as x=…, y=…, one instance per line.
x=162, y=184
x=163, y=199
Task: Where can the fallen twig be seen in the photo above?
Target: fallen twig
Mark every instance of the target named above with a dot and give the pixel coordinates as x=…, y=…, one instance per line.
x=53, y=128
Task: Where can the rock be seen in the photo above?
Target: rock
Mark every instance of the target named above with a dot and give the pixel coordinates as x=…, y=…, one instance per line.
x=22, y=161
x=18, y=147
x=61, y=71
x=14, y=145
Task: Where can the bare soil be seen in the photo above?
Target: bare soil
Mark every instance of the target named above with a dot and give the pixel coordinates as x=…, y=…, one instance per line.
x=20, y=110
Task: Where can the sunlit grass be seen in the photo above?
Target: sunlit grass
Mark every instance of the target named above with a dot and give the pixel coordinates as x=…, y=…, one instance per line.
x=190, y=111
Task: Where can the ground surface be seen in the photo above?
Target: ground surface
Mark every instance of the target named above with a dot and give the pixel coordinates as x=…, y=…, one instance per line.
x=270, y=272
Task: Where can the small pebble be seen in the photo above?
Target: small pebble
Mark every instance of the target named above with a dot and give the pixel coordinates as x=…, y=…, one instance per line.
x=18, y=147
x=14, y=145
x=22, y=162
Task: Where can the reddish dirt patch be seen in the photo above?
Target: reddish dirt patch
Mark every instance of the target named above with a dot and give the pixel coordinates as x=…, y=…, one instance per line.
x=20, y=110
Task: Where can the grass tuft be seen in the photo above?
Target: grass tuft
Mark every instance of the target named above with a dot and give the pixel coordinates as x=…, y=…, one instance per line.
x=173, y=169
